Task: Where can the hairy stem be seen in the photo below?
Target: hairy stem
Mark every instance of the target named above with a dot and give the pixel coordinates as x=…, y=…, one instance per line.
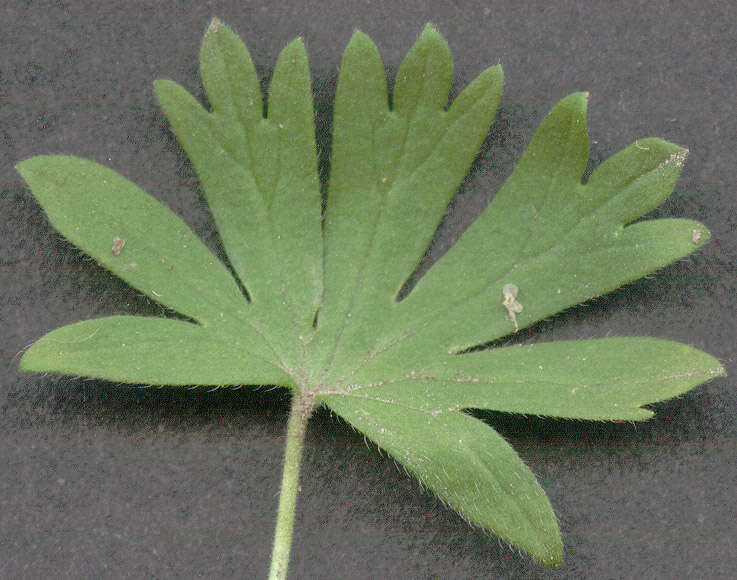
x=300, y=413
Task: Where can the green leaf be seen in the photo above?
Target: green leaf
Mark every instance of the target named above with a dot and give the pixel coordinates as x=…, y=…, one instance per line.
x=260, y=177
x=467, y=464
x=560, y=242
x=151, y=351
x=323, y=316
x=158, y=254
x=392, y=175
x=604, y=379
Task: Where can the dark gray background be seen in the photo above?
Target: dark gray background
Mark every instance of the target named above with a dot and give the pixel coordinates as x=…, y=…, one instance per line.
x=104, y=481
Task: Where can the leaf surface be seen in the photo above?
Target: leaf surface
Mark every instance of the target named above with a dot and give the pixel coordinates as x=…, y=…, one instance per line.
x=393, y=172
x=151, y=351
x=603, y=379
x=467, y=464
x=560, y=242
x=259, y=174
x=322, y=314
x=92, y=205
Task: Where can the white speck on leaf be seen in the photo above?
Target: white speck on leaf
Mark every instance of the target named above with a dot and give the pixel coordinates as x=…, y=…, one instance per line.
x=678, y=158
x=696, y=236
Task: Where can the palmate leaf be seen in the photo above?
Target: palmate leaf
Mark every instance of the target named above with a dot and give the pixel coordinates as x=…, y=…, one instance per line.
x=322, y=315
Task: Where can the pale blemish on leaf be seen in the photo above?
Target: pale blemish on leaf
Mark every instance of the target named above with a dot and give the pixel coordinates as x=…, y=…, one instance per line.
x=118, y=245
x=696, y=236
x=513, y=307
x=679, y=158
x=214, y=26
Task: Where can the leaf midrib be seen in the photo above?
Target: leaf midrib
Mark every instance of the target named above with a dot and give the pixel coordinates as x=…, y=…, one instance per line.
x=351, y=390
